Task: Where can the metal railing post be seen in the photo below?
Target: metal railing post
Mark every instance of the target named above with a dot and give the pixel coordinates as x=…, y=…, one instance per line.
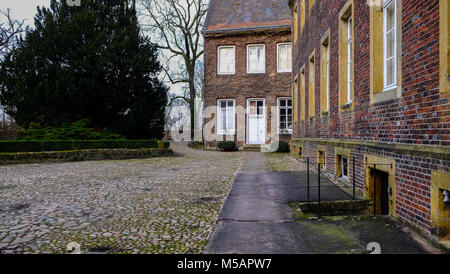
x=307, y=180
x=374, y=190
x=354, y=180
x=318, y=183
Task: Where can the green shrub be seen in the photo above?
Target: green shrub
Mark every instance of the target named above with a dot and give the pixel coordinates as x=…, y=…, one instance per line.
x=79, y=130
x=227, y=146
x=80, y=155
x=64, y=145
x=196, y=145
x=283, y=147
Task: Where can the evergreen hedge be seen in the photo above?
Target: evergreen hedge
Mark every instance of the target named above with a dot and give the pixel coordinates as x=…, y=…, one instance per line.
x=65, y=145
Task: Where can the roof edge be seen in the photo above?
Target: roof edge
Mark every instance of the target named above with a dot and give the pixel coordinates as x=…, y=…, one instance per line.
x=253, y=29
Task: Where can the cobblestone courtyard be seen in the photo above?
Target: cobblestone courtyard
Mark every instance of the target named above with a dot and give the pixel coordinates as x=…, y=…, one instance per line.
x=158, y=205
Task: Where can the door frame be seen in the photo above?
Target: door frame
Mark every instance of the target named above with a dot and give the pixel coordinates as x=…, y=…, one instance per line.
x=263, y=117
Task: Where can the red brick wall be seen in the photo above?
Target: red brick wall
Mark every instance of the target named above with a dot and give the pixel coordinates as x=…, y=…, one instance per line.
x=419, y=116
x=241, y=86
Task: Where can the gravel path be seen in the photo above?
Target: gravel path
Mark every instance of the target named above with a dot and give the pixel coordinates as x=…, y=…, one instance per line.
x=157, y=205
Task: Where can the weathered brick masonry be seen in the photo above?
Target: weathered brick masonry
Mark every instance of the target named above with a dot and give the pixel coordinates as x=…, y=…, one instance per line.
x=240, y=23
x=242, y=86
x=411, y=130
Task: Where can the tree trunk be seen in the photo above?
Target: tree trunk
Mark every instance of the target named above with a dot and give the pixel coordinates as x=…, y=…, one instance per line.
x=192, y=94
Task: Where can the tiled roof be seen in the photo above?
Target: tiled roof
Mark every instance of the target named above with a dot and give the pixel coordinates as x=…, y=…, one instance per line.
x=238, y=15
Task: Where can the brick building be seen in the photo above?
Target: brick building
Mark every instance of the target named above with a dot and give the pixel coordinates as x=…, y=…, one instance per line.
x=371, y=85
x=248, y=71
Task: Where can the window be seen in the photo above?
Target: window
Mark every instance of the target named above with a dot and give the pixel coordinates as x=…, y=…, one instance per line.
x=349, y=60
x=325, y=75
x=225, y=117
x=226, y=60
x=312, y=86
x=344, y=166
x=284, y=57
x=385, y=57
x=285, y=115
x=256, y=59
x=346, y=42
x=295, y=23
x=302, y=14
x=390, y=44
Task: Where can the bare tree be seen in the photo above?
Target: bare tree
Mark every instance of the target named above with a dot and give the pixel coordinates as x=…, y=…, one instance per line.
x=176, y=27
x=9, y=30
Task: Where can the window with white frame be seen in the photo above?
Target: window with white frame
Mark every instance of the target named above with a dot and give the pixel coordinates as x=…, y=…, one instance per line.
x=390, y=44
x=285, y=115
x=226, y=60
x=349, y=60
x=225, y=117
x=256, y=59
x=284, y=57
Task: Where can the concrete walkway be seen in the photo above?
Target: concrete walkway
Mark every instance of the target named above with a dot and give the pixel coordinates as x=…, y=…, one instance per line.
x=256, y=219
x=252, y=221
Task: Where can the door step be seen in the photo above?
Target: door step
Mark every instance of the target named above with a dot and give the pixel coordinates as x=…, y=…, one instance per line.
x=253, y=147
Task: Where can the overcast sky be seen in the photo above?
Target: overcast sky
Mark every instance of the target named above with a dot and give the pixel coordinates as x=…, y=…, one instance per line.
x=23, y=9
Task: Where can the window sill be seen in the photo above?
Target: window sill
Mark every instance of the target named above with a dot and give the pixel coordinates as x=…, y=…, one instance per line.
x=285, y=133
x=287, y=71
x=389, y=88
x=347, y=106
x=226, y=133
x=342, y=179
x=248, y=72
x=384, y=96
x=224, y=74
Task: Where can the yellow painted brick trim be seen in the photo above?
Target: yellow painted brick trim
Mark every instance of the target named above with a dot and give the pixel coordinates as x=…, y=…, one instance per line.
x=342, y=151
x=322, y=148
x=440, y=214
x=385, y=165
x=376, y=56
x=295, y=24
x=312, y=85
x=346, y=12
x=325, y=44
x=302, y=94
x=432, y=151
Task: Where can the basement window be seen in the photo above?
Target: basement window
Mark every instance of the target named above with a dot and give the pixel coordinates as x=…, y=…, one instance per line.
x=344, y=167
x=322, y=161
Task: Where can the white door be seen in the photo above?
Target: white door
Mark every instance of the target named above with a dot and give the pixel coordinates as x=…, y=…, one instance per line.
x=256, y=122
